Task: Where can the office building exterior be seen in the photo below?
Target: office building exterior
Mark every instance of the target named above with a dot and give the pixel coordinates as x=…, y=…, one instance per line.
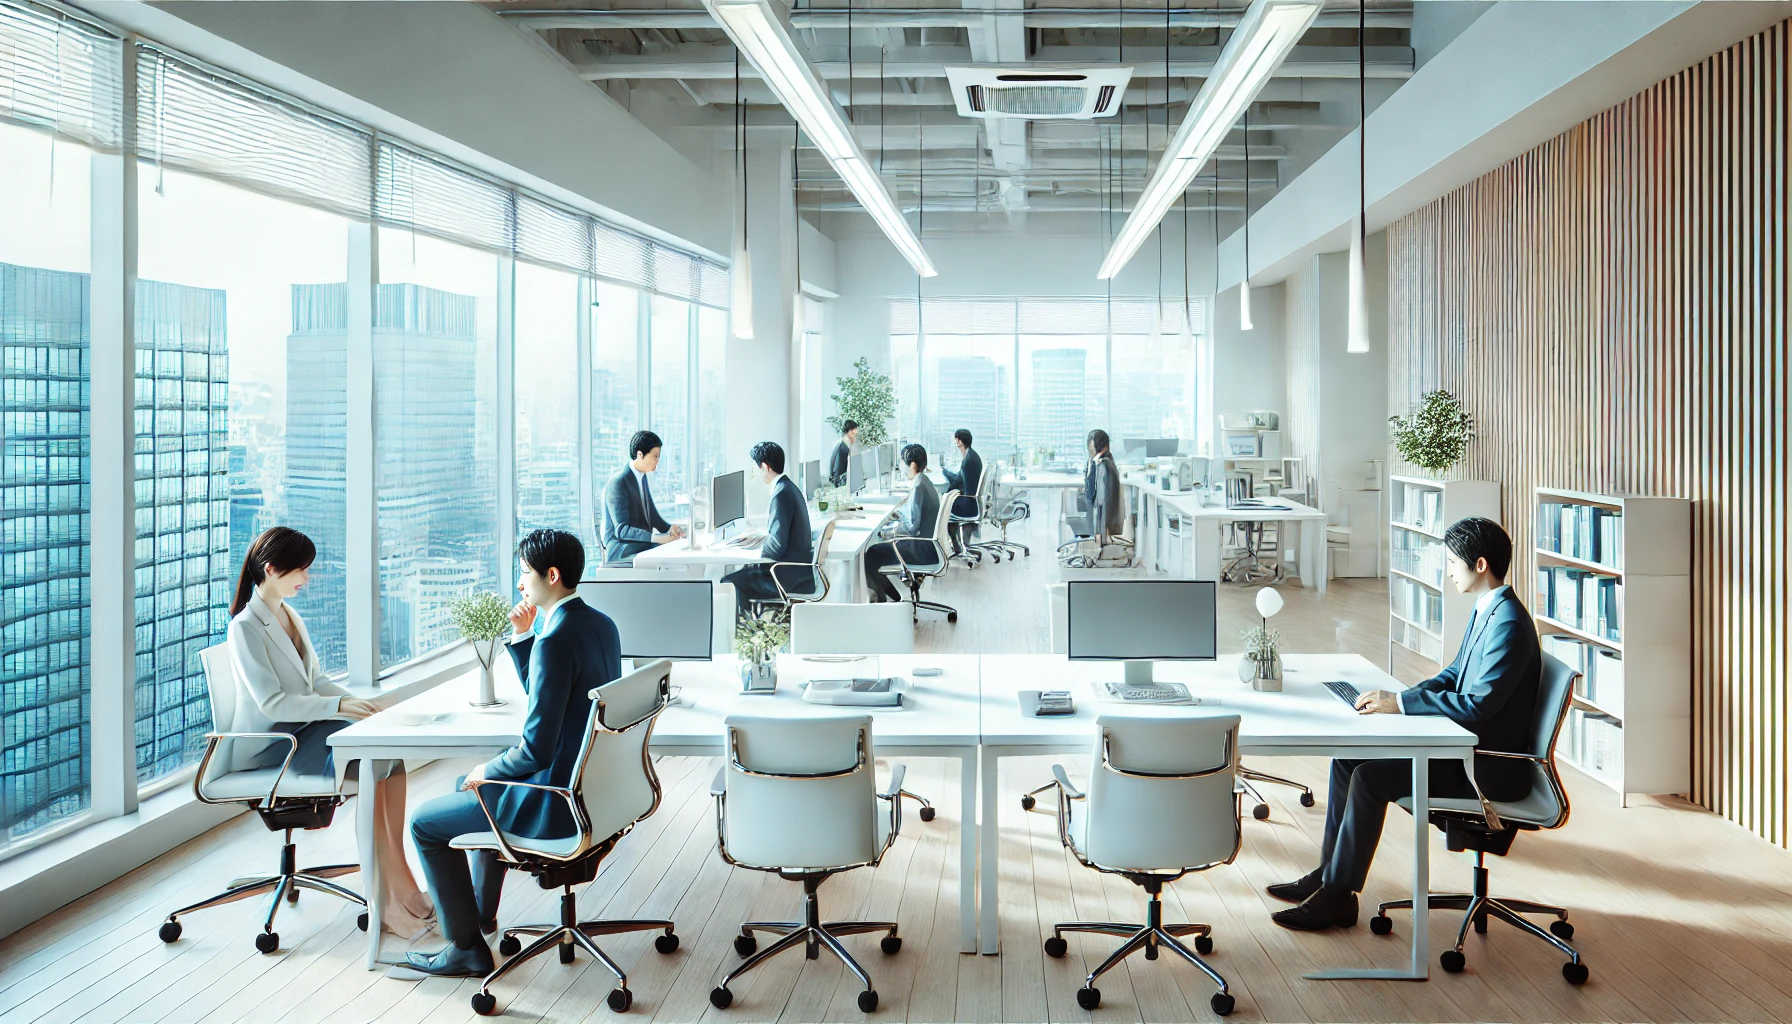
x=1056, y=402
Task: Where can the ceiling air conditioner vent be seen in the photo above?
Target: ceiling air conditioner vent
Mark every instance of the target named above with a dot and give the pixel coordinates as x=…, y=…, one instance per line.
x=1036, y=92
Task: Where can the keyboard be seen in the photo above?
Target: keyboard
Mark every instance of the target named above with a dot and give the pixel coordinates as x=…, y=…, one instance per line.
x=1343, y=691
x=747, y=540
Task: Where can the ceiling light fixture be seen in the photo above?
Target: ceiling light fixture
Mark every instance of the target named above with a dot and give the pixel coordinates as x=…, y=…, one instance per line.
x=1268, y=30
x=761, y=33
x=740, y=279
x=1357, y=340
x=1244, y=283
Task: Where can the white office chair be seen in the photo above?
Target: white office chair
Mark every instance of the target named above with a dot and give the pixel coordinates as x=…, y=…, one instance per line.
x=961, y=525
x=1005, y=507
x=285, y=800
x=1161, y=803
x=790, y=594
x=1467, y=824
x=613, y=788
x=931, y=563
x=798, y=797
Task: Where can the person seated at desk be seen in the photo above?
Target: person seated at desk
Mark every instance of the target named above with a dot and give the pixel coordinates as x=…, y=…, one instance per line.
x=1102, y=496
x=915, y=519
x=964, y=480
x=849, y=438
x=280, y=687
x=787, y=536
x=1490, y=689
x=563, y=648
x=632, y=523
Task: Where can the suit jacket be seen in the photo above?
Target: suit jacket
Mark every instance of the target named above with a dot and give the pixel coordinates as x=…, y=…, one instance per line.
x=837, y=464
x=917, y=516
x=965, y=480
x=628, y=531
x=275, y=681
x=559, y=666
x=1107, y=502
x=1491, y=690
x=787, y=536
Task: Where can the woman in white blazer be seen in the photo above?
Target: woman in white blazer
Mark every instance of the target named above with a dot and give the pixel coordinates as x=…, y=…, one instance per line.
x=281, y=688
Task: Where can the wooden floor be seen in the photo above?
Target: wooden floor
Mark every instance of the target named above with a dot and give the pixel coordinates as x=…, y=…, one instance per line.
x=1680, y=915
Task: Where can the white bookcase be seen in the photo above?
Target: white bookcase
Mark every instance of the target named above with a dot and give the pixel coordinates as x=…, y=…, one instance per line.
x=1613, y=598
x=1425, y=614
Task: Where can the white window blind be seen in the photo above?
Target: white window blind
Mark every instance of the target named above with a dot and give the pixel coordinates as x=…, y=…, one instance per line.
x=554, y=236
x=206, y=122
x=1049, y=316
x=59, y=74
x=424, y=194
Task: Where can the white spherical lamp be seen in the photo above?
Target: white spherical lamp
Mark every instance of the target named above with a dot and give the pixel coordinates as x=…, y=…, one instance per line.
x=1269, y=602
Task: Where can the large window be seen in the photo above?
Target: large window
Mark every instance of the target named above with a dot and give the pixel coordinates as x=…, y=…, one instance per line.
x=709, y=402
x=547, y=399
x=434, y=363
x=615, y=383
x=669, y=411
x=45, y=774
x=1063, y=395
x=241, y=425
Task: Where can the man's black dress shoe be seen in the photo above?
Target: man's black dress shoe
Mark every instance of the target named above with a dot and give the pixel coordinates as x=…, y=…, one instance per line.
x=1298, y=890
x=1333, y=906
x=453, y=962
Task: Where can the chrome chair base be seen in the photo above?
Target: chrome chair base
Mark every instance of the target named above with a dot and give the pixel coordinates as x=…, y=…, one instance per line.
x=813, y=935
x=1152, y=937
x=285, y=886
x=569, y=934
x=1477, y=907
x=1248, y=776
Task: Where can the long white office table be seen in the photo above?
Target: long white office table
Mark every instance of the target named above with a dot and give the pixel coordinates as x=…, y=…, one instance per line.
x=845, y=567
x=1304, y=719
x=940, y=719
x=1205, y=526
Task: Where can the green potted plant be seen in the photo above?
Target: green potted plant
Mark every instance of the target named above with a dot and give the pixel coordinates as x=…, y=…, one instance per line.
x=867, y=398
x=757, y=640
x=482, y=619
x=1436, y=435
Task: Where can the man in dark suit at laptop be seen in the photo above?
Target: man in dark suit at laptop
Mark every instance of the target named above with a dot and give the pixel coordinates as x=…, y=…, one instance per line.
x=787, y=537
x=632, y=523
x=849, y=436
x=562, y=648
x=1490, y=689
x=964, y=480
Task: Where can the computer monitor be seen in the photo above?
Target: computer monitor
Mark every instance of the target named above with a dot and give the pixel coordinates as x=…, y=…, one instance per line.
x=887, y=462
x=727, y=498
x=1161, y=447
x=855, y=473
x=1133, y=446
x=812, y=479
x=874, y=464
x=658, y=619
x=1141, y=622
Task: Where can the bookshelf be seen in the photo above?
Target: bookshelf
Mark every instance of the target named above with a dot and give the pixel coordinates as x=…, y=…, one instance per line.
x=1613, y=598
x=1425, y=614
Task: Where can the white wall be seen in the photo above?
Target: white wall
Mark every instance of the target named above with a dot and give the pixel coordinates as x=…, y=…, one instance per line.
x=1249, y=366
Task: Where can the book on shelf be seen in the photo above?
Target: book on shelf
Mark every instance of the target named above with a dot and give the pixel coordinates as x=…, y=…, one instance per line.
x=1594, y=741
x=1587, y=532
x=1601, y=670
x=1589, y=601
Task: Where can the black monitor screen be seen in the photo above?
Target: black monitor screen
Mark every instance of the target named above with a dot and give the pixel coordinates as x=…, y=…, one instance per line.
x=1142, y=620
x=811, y=481
x=727, y=493
x=1161, y=447
x=855, y=474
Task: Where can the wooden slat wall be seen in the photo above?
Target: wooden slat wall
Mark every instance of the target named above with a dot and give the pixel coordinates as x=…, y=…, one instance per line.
x=1613, y=308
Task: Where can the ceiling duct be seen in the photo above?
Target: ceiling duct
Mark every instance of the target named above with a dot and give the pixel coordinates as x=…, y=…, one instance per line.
x=1038, y=92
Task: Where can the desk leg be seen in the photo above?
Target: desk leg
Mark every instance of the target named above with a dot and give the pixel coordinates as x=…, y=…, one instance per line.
x=1421, y=887
x=967, y=851
x=988, y=905
x=366, y=825
x=1206, y=537
x=1312, y=553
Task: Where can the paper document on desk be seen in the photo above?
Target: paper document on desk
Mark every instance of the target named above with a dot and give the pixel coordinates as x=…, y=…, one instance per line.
x=1145, y=693
x=858, y=693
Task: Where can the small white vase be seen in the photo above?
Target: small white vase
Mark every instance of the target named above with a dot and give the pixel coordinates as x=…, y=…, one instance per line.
x=759, y=676
x=1264, y=676
x=486, y=652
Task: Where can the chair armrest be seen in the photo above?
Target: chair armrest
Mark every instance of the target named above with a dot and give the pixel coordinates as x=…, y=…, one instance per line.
x=773, y=568
x=578, y=813
x=718, y=786
x=1533, y=758
x=1064, y=783
x=894, y=790
x=211, y=749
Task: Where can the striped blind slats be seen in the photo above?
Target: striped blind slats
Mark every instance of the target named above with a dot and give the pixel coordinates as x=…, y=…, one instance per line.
x=59, y=74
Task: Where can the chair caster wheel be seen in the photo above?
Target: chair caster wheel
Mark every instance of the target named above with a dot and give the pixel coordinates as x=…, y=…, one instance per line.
x=267, y=942
x=891, y=945
x=361, y=920
x=620, y=1000
x=667, y=943
x=1381, y=924
x=509, y=945
x=566, y=952
x=868, y=1000
x=1452, y=961
x=743, y=945
x=1027, y=803
x=812, y=951
x=1056, y=947
x=1088, y=998
x=485, y=1004
x=170, y=931
x=720, y=998
x=1306, y=799
x=928, y=813
x=1222, y=1003
x=1260, y=812
x=951, y=616
x=1561, y=930
x=292, y=894
x=1203, y=944
x=1576, y=974
x=1150, y=952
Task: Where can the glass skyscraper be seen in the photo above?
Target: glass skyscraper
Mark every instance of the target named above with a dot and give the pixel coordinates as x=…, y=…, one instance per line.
x=1056, y=404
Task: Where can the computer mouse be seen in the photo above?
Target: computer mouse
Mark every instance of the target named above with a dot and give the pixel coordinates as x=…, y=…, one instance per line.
x=929, y=671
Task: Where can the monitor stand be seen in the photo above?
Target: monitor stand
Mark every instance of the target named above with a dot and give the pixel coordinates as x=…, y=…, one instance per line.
x=1139, y=673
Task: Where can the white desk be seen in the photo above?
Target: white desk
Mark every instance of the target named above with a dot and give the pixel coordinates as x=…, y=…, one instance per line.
x=1304, y=719
x=1195, y=554
x=942, y=721
x=845, y=562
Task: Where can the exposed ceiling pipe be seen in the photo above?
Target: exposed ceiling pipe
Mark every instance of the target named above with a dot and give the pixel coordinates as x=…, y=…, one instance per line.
x=650, y=67
x=887, y=18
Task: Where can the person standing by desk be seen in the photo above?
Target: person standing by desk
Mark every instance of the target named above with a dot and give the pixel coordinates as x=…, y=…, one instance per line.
x=849, y=436
x=1102, y=496
x=1490, y=690
x=632, y=523
x=916, y=519
x=964, y=480
x=787, y=536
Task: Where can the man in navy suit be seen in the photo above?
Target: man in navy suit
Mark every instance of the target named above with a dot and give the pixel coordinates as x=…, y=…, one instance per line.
x=787, y=536
x=632, y=523
x=562, y=648
x=964, y=480
x=1490, y=689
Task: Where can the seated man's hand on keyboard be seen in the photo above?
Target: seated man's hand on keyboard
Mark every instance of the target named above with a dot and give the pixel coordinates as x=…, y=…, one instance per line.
x=1378, y=702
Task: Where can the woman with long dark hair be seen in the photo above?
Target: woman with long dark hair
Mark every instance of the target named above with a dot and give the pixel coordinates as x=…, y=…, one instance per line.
x=281, y=688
